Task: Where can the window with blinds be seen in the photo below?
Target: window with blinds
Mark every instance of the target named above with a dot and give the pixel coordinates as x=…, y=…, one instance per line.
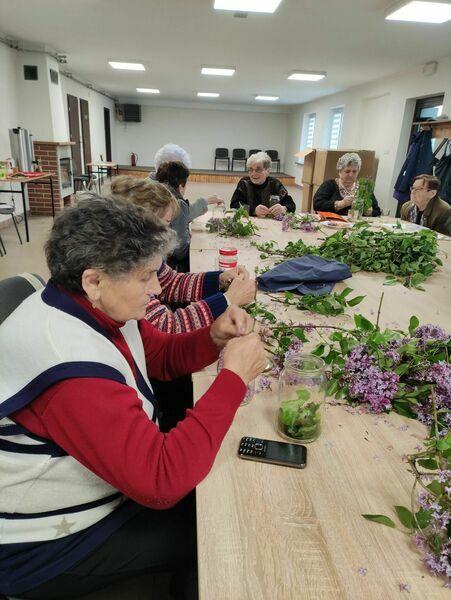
x=308, y=130
x=336, y=121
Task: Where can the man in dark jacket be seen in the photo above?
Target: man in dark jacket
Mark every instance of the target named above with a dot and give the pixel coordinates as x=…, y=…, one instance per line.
x=425, y=207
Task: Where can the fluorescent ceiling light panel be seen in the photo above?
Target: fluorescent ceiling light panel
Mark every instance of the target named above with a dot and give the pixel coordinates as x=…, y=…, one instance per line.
x=267, y=98
x=147, y=91
x=306, y=76
x=261, y=6
x=208, y=94
x=224, y=71
x=422, y=12
x=127, y=66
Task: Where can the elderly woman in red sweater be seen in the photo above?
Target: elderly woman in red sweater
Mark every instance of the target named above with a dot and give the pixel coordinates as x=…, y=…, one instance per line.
x=92, y=490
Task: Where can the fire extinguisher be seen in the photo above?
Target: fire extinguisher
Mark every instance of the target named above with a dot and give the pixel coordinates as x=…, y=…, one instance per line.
x=133, y=159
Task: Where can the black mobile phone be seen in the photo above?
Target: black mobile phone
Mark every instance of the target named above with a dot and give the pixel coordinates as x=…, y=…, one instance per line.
x=270, y=451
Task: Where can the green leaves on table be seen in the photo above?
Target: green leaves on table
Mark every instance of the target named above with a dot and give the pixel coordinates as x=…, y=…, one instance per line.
x=237, y=224
x=406, y=257
x=327, y=304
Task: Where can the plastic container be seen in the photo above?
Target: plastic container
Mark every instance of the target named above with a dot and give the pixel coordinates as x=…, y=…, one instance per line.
x=227, y=259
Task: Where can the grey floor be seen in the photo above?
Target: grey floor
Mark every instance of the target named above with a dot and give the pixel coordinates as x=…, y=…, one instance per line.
x=30, y=256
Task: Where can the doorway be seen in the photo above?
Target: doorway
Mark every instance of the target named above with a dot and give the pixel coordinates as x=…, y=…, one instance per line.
x=425, y=110
x=106, y=118
x=74, y=133
x=85, y=132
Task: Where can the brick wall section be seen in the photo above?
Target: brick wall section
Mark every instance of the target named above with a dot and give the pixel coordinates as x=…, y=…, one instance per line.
x=39, y=195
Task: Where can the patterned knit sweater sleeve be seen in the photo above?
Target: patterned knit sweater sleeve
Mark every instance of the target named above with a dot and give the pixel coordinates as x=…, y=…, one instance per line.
x=186, y=287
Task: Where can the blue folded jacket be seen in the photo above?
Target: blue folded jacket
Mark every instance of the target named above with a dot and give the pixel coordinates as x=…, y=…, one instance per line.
x=306, y=275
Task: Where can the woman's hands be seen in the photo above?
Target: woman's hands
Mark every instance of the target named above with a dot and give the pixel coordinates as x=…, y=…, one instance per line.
x=244, y=354
x=229, y=275
x=241, y=291
x=246, y=357
x=275, y=211
x=215, y=200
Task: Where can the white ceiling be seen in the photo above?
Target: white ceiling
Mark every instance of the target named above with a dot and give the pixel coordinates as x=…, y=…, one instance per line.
x=347, y=38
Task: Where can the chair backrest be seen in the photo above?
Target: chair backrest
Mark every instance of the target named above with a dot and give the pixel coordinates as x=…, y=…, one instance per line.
x=239, y=153
x=273, y=154
x=222, y=153
x=13, y=290
x=254, y=151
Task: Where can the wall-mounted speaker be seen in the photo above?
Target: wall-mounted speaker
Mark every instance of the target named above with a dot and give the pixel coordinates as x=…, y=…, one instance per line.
x=30, y=72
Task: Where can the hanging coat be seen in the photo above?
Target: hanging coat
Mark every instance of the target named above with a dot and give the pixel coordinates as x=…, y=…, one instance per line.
x=443, y=172
x=419, y=160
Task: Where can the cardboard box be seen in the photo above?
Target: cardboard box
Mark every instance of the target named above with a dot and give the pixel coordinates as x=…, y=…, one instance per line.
x=326, y=164
x=309, y=164
x=307, y=197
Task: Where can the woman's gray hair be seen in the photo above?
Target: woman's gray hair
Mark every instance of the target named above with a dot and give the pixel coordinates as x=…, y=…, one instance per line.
x=350, y=158
x=170, y=153
x=108, y=234
x=259, y=158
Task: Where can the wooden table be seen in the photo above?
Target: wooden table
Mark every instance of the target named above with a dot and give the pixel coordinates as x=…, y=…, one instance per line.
x=269, y=532
x=45, y=178
x=102, y=168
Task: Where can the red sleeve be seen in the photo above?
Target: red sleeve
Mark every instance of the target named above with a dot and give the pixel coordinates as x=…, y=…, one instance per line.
x=169, y=356
x=102, y=425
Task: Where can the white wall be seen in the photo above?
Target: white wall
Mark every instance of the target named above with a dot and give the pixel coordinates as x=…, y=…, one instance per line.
x=200, y=131
x=8, y=98
x=97, y=102
x=377, y=116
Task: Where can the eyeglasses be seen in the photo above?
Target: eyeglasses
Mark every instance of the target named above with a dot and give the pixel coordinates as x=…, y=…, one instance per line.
x=257, y=170
x=418, y=189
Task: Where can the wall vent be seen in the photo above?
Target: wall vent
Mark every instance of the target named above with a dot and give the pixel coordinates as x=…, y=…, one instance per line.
x=30, y=72
x=128, y=113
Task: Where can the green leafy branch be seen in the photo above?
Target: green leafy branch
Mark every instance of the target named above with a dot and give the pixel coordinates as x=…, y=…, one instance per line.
x=237, y=225
x=327, y=304
x=406, y=257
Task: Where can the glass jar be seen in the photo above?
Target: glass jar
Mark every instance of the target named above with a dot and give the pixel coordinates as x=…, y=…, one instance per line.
x=302, y=393
x=356, y=211
x=228, y=258
x=250, y=388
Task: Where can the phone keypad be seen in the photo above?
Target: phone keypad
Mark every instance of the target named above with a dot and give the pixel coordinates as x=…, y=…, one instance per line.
x=252, y=446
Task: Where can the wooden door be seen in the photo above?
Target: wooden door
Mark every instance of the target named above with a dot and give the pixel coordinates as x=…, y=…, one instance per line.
x=74, y=133
x=85, y=132
x=106, y=117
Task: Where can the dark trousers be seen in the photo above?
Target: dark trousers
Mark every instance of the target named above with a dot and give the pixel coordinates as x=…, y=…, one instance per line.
x=154, y=541
x=174, y=398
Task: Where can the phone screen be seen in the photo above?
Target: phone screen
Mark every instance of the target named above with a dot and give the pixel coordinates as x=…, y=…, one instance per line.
x=282, y=452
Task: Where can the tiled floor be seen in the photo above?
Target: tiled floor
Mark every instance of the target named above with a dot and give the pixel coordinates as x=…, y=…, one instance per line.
x=30, y=256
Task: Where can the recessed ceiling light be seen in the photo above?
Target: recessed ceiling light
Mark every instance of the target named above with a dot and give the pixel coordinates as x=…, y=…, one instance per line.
x=261, y=6
x=422, y=12
x=147, y=91
x=224, y=71
x=306, y=76
x=128, y=66
x=208, y=94
x=268, y=98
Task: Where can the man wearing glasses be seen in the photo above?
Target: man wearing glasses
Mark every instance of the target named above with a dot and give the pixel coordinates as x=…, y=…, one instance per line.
x=425, y=207
x=260, y=194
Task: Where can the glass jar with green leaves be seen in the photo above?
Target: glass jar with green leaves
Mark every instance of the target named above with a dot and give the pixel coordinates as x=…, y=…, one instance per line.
x=301, y=397
x=363, y=199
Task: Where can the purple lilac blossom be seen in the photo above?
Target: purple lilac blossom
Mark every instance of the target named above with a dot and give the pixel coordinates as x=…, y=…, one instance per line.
x=358, y=359
x=375, y=387
x=429, y=332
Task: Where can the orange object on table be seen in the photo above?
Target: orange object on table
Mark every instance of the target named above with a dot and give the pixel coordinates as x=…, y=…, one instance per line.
x=327, y=216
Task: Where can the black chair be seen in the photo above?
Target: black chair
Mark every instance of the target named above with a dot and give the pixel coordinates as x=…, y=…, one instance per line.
x=239, y=155
x=9, y=209
x=274, y=156
x=222, y=154
x=13, y=290
x=254, y=151
x=83, y=181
